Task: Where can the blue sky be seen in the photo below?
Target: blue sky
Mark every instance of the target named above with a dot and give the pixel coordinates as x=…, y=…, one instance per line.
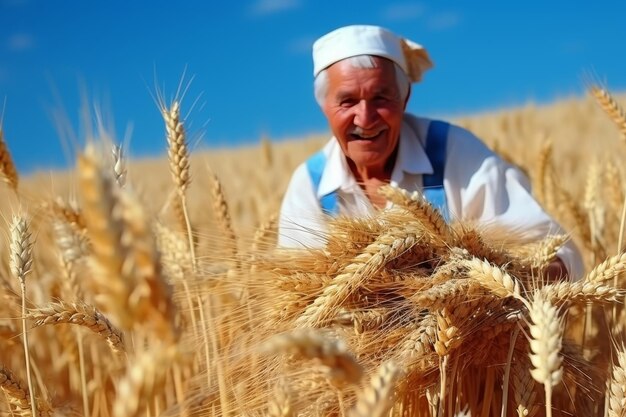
x=250, y=63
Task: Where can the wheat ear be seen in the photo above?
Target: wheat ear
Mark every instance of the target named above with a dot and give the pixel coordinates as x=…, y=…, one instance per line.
x=420, y=342
x=617, y=386
x=264, y=234
x=222, y=213
x=493, y=278
x=21, y=263
x=144, y=379
x=546, y=330
x=16, y=394
x=82, y=315
x=447, y=337
x=422, y=210
x=612, y=108
x=580, y=292
x=178, y=155
x=69, y=212
x=281, y=403
x=524, y=392
x=608, y=269
x=104, y=222
x=127, y=272
x=547, y=250
x=543, y=169
x=7, y=167
x=376, y=399
x=314, y=345
x=119, y=164
x=613, y=187
x=451, y=292
x=73, y=250
x=374, y=257
x=177, y=146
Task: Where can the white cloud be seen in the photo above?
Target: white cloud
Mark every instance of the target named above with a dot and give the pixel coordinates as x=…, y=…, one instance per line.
x=268, y=7
x=444, y=21
x=20, y=42
x=403, y=11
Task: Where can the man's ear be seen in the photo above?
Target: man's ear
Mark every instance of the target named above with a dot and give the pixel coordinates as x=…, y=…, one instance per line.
x=408, y=96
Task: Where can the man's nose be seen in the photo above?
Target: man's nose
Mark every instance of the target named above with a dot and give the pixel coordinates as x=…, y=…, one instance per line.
x=365, y=114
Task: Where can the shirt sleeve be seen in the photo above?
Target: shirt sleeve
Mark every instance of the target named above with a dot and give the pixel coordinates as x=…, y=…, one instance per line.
x=301, y=222
x=481, y=186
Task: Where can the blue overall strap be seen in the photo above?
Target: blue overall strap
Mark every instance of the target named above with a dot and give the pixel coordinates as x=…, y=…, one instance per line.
x=315, y=166
x=436, y=142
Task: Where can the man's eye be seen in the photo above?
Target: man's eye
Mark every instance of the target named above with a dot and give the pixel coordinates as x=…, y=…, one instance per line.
x=348, y=102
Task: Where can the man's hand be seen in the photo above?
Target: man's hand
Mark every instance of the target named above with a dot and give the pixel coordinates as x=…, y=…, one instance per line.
x=555, y=271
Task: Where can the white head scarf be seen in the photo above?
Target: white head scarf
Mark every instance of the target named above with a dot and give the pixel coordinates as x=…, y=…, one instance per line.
x=356, y=40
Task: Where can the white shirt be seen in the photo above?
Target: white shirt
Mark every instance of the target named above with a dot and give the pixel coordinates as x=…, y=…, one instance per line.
x=479, y=186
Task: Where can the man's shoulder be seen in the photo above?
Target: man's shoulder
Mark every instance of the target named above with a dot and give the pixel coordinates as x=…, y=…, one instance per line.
x=455, y=133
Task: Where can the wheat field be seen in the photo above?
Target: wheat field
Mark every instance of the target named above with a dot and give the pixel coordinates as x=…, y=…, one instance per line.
x=126, y=294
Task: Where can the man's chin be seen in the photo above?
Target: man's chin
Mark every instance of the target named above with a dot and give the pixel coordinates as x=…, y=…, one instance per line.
x=367, y=158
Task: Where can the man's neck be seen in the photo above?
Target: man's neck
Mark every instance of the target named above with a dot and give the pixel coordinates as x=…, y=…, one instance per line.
x=374, y=172
x=371, y=178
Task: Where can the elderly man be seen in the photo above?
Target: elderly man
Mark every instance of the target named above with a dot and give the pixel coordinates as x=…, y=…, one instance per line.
x=363, y=77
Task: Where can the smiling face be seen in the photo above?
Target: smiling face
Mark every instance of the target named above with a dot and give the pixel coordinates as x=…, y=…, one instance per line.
x=364, y=109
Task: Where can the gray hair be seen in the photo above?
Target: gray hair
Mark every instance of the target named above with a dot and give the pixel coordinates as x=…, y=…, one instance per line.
x=320, y=85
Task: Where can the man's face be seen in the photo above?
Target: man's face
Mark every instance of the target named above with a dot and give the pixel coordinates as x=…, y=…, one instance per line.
x=365, y=111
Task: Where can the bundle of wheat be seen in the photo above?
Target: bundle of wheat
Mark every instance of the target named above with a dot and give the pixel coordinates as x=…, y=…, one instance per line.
x=118, y=309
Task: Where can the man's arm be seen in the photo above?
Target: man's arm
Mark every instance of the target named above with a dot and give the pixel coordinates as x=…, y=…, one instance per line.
x=301, y=221
x=481, y=186
x=556, y=271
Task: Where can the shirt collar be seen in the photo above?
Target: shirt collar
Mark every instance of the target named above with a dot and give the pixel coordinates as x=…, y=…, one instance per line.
x=411, y=159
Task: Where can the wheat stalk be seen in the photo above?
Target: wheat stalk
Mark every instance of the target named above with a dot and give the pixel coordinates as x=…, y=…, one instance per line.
x=21, y=262
x=178, y=156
